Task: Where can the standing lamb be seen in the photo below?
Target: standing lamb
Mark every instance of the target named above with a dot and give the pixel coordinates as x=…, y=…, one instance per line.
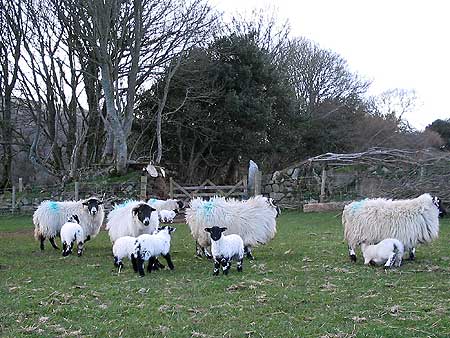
x=388, y=252
x=123, y=247
x=225, y=249
x=254, y=220
x=131, y=218
x=166, y=216
x=50, y=216
x=149, y=247
x=411, y=221
x=169, y=204
x=72, y=232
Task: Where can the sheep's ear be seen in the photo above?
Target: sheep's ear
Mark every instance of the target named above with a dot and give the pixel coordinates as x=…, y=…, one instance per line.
x=85, y=203
x=223, y=229
x=208, y=230
x=134, y=211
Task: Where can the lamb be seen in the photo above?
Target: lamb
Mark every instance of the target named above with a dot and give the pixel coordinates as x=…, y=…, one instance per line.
x=50, y=216
x=148, y=247
x=123, y=247
x=253, y=220
x=225, y=249
x=72, y=232
x=389, y=251
x=169, y=204
x=131, y=218
x=411, y=221
x=167, y=216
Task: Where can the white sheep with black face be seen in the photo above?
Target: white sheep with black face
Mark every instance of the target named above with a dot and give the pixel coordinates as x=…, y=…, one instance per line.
x=50, y=216
x=71, y=233
x=254, y=220
x=411, y=221
x=388, y=252
x=225, y=248
x=131, y=218
x=149, y=247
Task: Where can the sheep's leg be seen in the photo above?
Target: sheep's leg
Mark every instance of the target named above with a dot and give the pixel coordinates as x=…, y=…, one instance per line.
x=412, y=254
x=52, y=242
x=157, y=265
x=239, y=265
x=226, y=265
x=198, y=249
x=88, y=238
x=216, y=267
x=352, y=254
x=150, y=265
x=248, y=252
x=134, y=262
x=64, y=249
x=390, y=261
x=42, y=239
x=140, y=266
x=169, y=261
x=207, y=254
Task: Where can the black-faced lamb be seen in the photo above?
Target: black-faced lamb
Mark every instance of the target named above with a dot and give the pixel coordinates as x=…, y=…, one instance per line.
x=411, y=221
x=123, y=247
x=149, y=247
x=224, y=249
x=388, y=252
x=71, y=233
x=131, y=218
x=253, y=219
x=50, y=216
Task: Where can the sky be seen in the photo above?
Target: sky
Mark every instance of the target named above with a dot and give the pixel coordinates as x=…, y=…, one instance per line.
x=393, y=43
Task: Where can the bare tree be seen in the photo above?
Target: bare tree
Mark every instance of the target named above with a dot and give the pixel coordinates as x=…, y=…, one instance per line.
x=14, y=27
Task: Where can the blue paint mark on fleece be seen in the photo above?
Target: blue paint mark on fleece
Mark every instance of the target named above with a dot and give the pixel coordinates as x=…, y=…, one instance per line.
x=207, y=208
x=358, y=205
x=151, y=200
x=53, y=206
x=122, y=205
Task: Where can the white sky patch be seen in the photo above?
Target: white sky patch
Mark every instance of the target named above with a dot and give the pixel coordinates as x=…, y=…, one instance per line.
x=396, y=44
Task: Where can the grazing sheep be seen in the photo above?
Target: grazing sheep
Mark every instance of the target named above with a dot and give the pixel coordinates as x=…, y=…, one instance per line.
x=131, y=218
x=169, y=204
x=123, y=247
x=388, y=252
x=149, y=247
x=412, y=221
x=252, y=219
x=50, y=216
x=225, y=249
x=72, y=232
x=167, y=216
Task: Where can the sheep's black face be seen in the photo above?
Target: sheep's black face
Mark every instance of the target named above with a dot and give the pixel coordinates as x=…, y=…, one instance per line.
x=215, y=232
x=73, y=219
x=169, y=229
x=180, y=205
x=93, y=205
x=143, y=213
x=438, y=203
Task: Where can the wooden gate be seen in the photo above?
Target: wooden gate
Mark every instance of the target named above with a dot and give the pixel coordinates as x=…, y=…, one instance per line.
x=208, y=189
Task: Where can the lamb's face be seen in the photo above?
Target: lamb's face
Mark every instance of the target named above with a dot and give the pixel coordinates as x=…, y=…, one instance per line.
x=167, y=228
x=438, y=203
x=215, y=232
x=73, y=219
x=93, y=205
x=143, y=212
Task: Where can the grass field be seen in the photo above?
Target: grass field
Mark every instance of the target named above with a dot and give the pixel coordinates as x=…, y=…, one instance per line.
x=301, y=284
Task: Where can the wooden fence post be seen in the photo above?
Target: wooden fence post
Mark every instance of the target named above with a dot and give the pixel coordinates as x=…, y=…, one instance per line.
x=322, y=185
x=77, y=190
x=20, y=184
x=171, y=187
x=13, y=199
x=143, y=195
x=257, y=183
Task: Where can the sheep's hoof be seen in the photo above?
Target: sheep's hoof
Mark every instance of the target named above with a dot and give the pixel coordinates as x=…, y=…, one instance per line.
x=353, y=258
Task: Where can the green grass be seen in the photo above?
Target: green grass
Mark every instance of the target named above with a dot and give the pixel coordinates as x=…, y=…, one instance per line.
x=300, y=285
